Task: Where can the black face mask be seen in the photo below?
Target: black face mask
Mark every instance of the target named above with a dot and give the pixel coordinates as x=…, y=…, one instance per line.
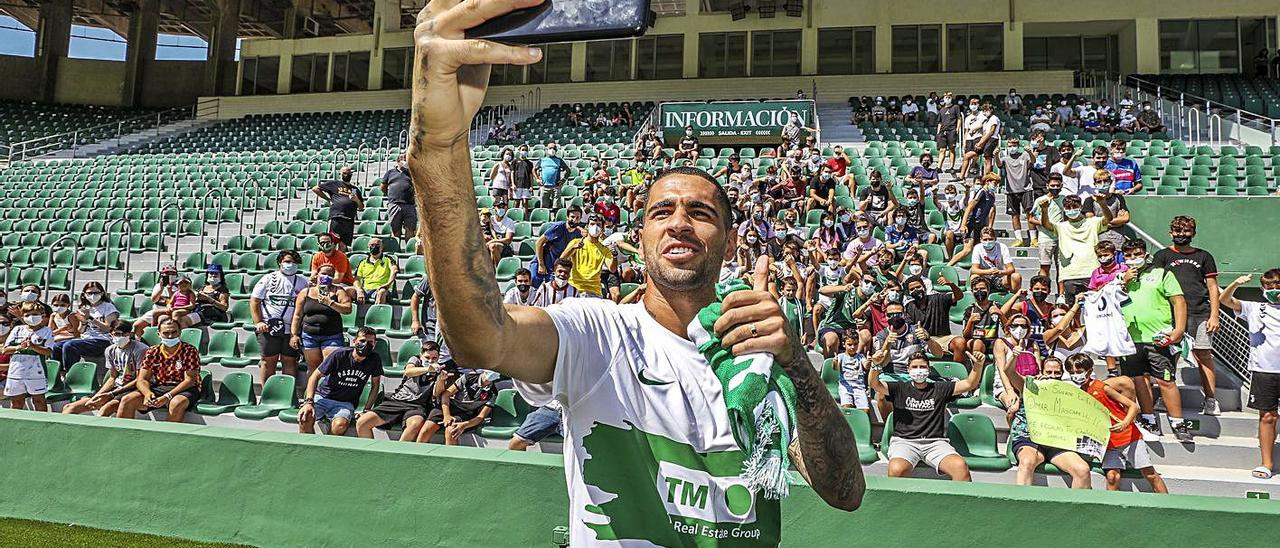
x=1182, y=240
x=363, y=349
x=896, y=321
x=917, y=295
x=981, y=294
x=1054, y=191
x=1040, y=296
x=375, y=251
x=524, y=288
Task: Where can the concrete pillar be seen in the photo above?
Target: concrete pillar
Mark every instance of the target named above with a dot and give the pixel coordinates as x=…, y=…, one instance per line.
x=884, y=47
x=578, y=63
x=389, y=12
x=220, y=70
x=53, y=38
x=1146, y=47
x=809, y=50
x=141, y=50
x=690, y=55
x=1013, y=59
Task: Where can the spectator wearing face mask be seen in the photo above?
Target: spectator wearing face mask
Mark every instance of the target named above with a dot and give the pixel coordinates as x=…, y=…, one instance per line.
x=839, y=164
x=607, y=208
x=330, y=255
x=1076, y=236
x=1125, y=173
x=161, y=297
x=499, y=231
x=876, y=200
x=910, y=110
x=864, y=248
x=272, y=307
x=168, y=378
x=950, y=124
x=1125, y=448
x=376, y=275
x=500, y=175
x=1041, y=120
x=317, y=327
x=65, y=324
x=1036, y=308
x=932, y=308
x=978, y=214
x=994, y=261
x=986, y=143
x=1065, y=114
x=919, y=416
x=879, y=112
x=558, y=287
x=1156, y=314
x=822, y=190
x=93, y=318
x=1068, y=168
x=952, y=200
x=903, y=335
x=1149, y=119
x=1030, y=454
x=334, y=388
x=1116, y=232
x=345, y=202
x=212, y=300
x=926, y=174
x=589, y=255
x=1197, y=274
x=1044, y=240
x=1086, y=173
x=415, y=397
x=521, y=292
x=1013, y=102
x=687, y=147
x=1015, y=167
x=1262, y=320
x=552, y=243
x=402, y=212
x=982, y=321
x=843, y=307
x=123, y=360
x=522, y=174
x=551, y=171
x=27, y=346
x=464, y=405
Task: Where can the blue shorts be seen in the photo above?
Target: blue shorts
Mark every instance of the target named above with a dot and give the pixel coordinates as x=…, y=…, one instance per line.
x=331, y=409
x=311, y=342
x=542, y=422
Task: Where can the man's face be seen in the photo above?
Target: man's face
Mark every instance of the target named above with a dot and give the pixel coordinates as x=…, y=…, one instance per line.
x=862, y=228
x=1015, y=143
x=684, y=238
x=562, y=272
x=1066, y=151
x=1133, y=255
x=1054, y=186
x=1051, y=370
x=169, y=330
x=788, y=291
x=430, y=356
x=1182, y=231
x=1099, y=158
x=574, y=218
x=918, y=365
x=368, y=338
x=523, y=279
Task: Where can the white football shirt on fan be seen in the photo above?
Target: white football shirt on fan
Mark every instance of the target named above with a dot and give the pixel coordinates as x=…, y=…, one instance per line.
x=650, y=458
x=1106, y=333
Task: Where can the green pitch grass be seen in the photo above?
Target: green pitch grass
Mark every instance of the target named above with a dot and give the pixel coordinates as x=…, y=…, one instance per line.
x=20, y=532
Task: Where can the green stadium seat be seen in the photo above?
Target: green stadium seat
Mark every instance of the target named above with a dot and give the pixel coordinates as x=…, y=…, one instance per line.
x=79, y=383
x=860, y=423
x=509, y=412
x=236, y=390
x=974, y=437
x=277, y=395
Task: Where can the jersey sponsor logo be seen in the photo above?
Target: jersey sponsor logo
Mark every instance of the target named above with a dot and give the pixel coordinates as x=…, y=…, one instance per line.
x=697, y=494
x=645, y=379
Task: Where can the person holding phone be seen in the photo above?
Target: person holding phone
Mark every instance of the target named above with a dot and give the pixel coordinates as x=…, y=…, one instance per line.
x=317, y=328
x=272, y=306
x=592, y=355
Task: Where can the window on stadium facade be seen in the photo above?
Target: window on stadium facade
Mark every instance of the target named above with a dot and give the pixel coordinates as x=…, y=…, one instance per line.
x=722, y=54
x=847, y=50
x=975, y=48
x=350, y=71
x=258, y=75
x=310, y=72
x=554, y=66
x=660, y=57
x=917, y=48
x=775, y=53
x=396, y=70
x=1211, y=45
x=609, y=60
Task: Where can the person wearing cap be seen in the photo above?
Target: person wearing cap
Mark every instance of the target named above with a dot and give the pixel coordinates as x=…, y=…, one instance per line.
x=499, y=231
x=212, y=300
x=688, y=146
x=345, y=203
x=330, y=255
x=589, y=256
x=376, y=275
x=464, y=405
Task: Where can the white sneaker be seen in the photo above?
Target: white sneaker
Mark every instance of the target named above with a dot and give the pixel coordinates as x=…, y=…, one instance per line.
x=1211, y=408
x=1150, y=432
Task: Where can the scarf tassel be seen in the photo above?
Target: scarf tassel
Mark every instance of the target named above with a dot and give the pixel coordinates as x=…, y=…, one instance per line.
x=765, y=468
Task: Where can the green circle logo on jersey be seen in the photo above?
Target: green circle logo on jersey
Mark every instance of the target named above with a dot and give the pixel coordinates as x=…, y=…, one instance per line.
x=737, y=498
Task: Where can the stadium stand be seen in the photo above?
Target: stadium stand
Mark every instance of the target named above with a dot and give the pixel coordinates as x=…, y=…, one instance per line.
x=1259, y=95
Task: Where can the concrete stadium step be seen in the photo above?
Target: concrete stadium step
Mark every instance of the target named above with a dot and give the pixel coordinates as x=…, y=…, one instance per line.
x=834, y=118
x=134, y=140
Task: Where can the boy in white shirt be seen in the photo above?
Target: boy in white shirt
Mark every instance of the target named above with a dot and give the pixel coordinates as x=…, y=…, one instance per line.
x=28, y=348
x=852, y=365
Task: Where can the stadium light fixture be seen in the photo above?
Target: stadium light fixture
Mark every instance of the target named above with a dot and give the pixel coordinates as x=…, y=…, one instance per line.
x=794, y=8
x=767, y=8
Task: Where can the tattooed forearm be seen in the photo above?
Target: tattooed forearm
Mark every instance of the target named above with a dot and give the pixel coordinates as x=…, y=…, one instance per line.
x=825, y=451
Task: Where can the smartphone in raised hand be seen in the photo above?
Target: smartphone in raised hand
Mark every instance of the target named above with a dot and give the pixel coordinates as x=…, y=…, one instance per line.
x=567, y=20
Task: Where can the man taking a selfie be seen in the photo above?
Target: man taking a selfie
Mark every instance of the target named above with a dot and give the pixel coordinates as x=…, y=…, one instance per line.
x=642, y=406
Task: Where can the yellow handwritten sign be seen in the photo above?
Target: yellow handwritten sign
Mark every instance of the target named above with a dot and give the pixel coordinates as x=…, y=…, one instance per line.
x=1061, y=415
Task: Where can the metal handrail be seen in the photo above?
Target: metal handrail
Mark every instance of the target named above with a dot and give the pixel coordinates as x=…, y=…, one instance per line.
x=126, y=248
x=1242, y=117
x=204, y=216
x=52, y=143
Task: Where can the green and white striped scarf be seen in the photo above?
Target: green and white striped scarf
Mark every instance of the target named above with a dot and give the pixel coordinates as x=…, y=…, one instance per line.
x=759, y=397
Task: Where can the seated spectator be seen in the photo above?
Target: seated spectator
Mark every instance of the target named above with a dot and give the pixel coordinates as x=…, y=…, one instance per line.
x=27, y=346
x=1030, y=454
x=1128, y=121
x=522, y=292
x=559, y=288
x=92, y=320
x=925, y=174
x=910, y=110
x=317, y=325
x=982, y=322
x=606, y=206
x=864, y=248
x=994, y=261
x=499, y=231
x=168, y=378
x=1149, y=119
x=212, y=300
x=271, y=306
x=876, y=200
x=64, y=323
x=588, y=256
x=879, y=113
x=376, y=275
x=330, y=255
x=123, y=360
x=576, y=117
x=978, y=214
x=1013, y=102
x=334, y=388
x=464, y=405
x=1065, y=115
x=688, y=146
x=537, y=426
x=1041, y=120
x=932, y=309
x=1125, y=448
x=839, y=163
x=900, y=338
x=822, y=190
x=408, y=407
x=919, y=416
x=161, y=294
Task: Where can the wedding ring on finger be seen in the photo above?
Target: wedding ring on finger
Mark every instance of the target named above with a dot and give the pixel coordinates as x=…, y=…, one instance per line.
x=754, y=333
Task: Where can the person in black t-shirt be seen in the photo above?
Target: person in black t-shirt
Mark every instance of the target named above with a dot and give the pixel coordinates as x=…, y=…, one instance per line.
x=464, y=404
x=920, y=417
x=522, y=177
x=345, y=202
x=934, y=309
x=948, y=131
x=1043, y=156
x=416, y=396
x=402, y=213
x=334, y=388
x=875, y=200
x=822, y=190
x=1197, y=273
x=688, y=147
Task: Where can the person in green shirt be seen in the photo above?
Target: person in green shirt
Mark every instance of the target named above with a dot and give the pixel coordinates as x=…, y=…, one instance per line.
x=793, y=308
x=375, y=275
x=1156, y=314
x=848, y=312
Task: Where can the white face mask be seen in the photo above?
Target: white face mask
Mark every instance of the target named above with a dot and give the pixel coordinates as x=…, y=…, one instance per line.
x=593, y=230
x=915, y=269
x=751, y=240
x=93, y=297
x=1079, y=378
x=919, y=374
x=1018, y=332
x=560, y=282
x=33, y=320
x=121, y=342
x=1136, y=263
x=215, y=279
x=29, y=296
x=61, y=309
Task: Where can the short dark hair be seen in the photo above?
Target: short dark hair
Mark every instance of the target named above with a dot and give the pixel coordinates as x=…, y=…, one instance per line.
x=913, y=280
x=431, y=345
x=366, y=330
x=562, y=262
x=1271, y=275
x=1044, y=280
x=121, y=326
x=288, y=254
x=524, y=271
x=920, y=356
x=572, y=209
x=722, y=197
x=1134, y=244
x=1078, y=361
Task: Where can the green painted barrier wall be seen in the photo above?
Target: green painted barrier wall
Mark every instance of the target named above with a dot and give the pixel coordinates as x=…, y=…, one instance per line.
x=281, y=489
x=1242, y=233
